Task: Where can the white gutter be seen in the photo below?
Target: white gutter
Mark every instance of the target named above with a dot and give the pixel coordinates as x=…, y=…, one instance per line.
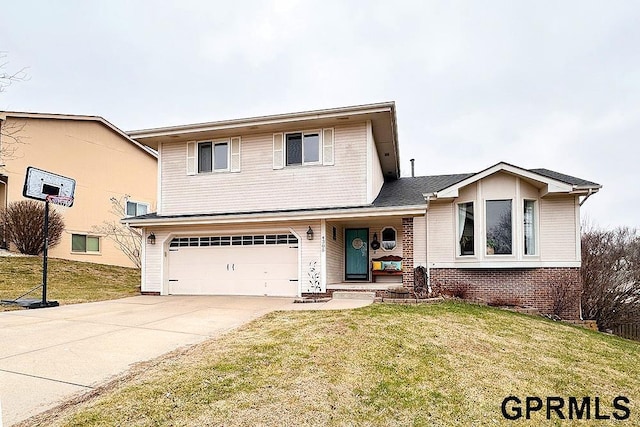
x=263, y=120
x=278, y=216
x=591, y=192
x=427, y=198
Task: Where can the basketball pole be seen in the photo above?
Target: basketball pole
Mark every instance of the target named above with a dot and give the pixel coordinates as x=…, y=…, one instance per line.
x=45, y=252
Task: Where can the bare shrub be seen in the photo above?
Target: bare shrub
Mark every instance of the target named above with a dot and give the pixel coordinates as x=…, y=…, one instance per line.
x=610, y=276
x=562, y=298
x=454, y=289
x=23, y=223
x=504, y=302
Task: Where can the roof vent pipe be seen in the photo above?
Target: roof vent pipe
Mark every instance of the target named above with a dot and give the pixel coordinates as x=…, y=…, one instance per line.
x=412, y=168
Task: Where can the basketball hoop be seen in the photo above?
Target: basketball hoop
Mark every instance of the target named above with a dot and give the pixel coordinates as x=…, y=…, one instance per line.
x=60, y=200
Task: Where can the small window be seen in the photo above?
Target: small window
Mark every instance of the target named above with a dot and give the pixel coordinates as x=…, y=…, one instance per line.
x=302, y=148
x=465, y=229
x=213, y=156
x=388, y=238
x=84, y=243
x=135, y=208
x=205, y=156
x=499, y=230
x=529, y=227
x=221, y=156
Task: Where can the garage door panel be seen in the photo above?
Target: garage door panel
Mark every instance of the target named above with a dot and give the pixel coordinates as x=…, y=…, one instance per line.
x=234, y=270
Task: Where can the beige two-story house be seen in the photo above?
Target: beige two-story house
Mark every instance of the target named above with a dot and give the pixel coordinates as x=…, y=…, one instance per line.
x=105, y=163
x=291, y=204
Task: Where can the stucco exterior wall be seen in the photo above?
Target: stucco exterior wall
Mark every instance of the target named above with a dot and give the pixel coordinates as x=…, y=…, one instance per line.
x=104, y=165
x=258, y=187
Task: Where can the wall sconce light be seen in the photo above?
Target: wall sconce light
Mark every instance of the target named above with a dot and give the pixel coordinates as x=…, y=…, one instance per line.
x=309, y=234
x=151, y=239
x=375, y=245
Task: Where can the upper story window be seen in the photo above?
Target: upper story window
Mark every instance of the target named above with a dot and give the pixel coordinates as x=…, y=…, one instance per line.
x=213, y=156
x=312, y=147
x=135, y=208
x=530, y=227
x=302, y=148
x=499, y=229
x=465, y=229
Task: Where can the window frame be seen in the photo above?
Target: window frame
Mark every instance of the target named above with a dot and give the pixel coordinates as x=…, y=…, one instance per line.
x=213, y=143
x=512, y=229
x=86, y=237
x=536, y=240
x=473, y=235
x=318, y=132
x=395, y=241
x=126, y=208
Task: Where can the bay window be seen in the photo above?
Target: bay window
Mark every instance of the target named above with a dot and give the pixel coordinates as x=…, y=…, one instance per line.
x=529, y=227
x=499, y=227
x=465, y=229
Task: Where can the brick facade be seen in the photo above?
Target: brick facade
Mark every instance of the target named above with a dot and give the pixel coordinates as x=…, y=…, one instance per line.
x=407, y=252
x=531, y=287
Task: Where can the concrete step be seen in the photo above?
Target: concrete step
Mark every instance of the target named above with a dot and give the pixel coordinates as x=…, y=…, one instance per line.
x=354, y=295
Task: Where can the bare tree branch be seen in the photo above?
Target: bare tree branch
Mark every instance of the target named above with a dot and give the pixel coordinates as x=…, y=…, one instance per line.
x=7, y=78
x=611, y=276
x=10, y=133
x=127, y=239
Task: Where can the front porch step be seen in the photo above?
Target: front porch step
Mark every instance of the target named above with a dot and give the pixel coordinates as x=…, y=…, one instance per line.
x=354, y=295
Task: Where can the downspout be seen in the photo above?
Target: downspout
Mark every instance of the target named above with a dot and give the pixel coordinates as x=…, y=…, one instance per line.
x=427, y=198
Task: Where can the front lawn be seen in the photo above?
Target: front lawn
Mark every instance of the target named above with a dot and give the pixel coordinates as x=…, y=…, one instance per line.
x=436, y=365
x=68, y=282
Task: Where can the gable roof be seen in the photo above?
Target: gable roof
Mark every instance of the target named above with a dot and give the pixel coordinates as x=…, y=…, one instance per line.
x=412, y=191
x=381, y=115
x=101, y=120
x=565, y=178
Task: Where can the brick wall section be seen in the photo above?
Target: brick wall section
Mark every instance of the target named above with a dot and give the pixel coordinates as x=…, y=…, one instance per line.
x=407, y=252
x=529, y=287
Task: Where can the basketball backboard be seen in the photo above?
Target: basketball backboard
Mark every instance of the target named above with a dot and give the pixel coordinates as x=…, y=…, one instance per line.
x=39, y=184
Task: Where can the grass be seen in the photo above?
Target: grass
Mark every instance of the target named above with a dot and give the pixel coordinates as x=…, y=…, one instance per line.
x=68, y=282
x=435, y=365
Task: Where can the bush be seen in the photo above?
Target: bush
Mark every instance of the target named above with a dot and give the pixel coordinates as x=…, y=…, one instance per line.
x=23, y=223
x=611, y=277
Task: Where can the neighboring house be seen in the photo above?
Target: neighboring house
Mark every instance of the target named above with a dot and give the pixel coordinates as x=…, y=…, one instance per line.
x=278, y=204
x=102, y=159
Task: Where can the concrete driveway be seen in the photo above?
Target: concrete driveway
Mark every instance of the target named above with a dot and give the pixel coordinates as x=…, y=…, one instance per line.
x=49, y=355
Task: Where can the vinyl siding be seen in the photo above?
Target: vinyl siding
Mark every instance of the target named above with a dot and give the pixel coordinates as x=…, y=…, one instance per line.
x=441, y=232
x=557, y=235
x=335, y=253
x=375, y=176
x=558, y=229
x=258, y=187
x=419, y=241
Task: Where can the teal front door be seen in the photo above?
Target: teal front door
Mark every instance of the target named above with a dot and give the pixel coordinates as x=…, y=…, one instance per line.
x=356, y=253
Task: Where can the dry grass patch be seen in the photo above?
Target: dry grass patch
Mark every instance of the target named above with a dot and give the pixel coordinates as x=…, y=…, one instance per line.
x=69, y=282
x=437, y=365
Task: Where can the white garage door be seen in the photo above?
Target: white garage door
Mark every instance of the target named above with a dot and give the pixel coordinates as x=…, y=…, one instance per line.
x=234, y=265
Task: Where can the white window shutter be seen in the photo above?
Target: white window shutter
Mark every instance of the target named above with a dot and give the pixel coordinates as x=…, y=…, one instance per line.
x=278, y=151
x=327, y=146
x=235, y=154
x=191, y=158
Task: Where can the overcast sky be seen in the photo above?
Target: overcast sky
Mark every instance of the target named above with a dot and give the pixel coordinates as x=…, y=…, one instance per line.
x=537, y=84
